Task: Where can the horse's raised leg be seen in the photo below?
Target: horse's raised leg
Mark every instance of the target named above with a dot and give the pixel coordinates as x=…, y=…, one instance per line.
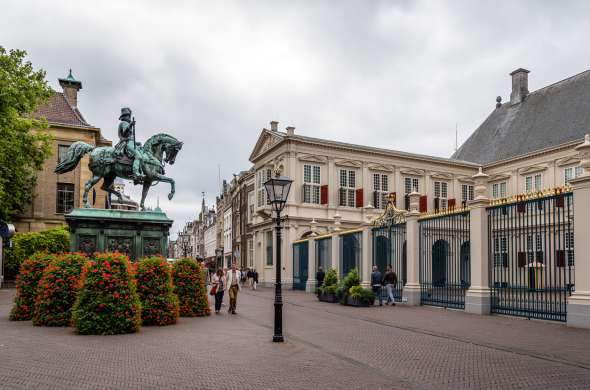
x=170, y=180
x=107, y=186
x=146, y=188
x=89, y=184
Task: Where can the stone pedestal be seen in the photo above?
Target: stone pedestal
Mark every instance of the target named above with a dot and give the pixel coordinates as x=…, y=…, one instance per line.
x=135, y=233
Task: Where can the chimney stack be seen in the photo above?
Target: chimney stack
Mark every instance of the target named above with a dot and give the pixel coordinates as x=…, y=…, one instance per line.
x=71, y=86
x=274, y=125
x=290, y=130
x=520, y=85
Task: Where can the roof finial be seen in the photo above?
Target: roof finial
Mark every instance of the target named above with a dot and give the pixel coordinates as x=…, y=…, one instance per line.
x=499, y=102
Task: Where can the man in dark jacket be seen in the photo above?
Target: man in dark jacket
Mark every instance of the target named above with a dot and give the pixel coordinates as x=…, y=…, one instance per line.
x=390, y=281
x=320, y=276
x=376, y=283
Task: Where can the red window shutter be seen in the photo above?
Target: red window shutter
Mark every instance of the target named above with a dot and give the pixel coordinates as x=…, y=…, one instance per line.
x=451, y=204
x=394, y=198
x=423, y=204
x=359, y=197
x=521, y=207
x=324, y=194
x=560, y=258
x=436, y=204
x=521, y=259
x=559, y=201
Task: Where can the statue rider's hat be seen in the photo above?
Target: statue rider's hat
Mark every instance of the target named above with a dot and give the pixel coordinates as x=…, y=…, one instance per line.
x=125, y=111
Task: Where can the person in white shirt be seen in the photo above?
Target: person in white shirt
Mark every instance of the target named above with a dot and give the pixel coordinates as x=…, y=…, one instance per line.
x=233, y=284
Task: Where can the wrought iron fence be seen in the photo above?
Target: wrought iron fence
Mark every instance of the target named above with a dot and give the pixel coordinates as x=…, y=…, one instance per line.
x=389, y=249
x=444, y=259
x=531, y=255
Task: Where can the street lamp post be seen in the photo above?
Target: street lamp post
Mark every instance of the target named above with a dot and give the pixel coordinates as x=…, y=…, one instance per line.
x=278, y=190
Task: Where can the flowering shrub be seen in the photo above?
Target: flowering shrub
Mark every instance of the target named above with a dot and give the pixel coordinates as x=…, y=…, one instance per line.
x=56, y=291
x=107, y=302
x=159, y=305
x=27, y=280
x=189, y=285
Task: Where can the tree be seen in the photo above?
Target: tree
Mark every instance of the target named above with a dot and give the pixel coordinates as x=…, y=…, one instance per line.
x=22, y=149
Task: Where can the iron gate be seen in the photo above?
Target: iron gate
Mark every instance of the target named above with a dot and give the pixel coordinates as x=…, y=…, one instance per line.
x=531, y=256
x=300, y=265
x=389, y=248
x=444, y=260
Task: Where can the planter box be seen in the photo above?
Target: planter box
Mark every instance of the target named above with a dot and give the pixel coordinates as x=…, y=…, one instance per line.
x=356, y=302
x=331, y=298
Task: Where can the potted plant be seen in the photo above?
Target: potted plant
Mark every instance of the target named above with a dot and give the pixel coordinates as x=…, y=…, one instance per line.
x=360, y=297
x=327, y=291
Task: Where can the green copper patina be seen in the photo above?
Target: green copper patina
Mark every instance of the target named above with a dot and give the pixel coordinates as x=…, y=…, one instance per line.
x=128, y=160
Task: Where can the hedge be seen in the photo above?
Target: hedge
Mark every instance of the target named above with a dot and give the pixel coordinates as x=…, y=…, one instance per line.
x=27, y=280
x=159, y=305
x=24, y=245
x=57, y=289
x=108, y=302
x=189, y=285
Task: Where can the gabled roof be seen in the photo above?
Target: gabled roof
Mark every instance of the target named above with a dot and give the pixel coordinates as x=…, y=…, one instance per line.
x=554, y=115
x=58, y=111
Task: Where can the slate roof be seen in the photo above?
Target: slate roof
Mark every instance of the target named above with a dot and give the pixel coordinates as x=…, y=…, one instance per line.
x=554, y=115
x=58, y=111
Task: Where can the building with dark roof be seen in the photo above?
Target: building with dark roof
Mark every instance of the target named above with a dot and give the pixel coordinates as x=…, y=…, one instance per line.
x=56, y=195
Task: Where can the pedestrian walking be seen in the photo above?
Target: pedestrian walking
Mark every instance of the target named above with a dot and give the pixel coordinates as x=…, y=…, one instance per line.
x=249, y=277
x=254, y=279
x=390, y=281
x=376, y=283
x=320, y=276
x=218, y=288
x=233, y=284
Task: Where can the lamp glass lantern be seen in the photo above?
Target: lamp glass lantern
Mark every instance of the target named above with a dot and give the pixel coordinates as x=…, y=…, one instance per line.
x=278, y=189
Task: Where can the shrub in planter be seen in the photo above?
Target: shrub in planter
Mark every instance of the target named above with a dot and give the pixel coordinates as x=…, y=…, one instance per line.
x=327, y=291
x=25, y=245
x=189, y=285
x=350, y=280
x=27, y=280
x=358, y=296
x=57, y=289
x=159, y=305
x=107, y=302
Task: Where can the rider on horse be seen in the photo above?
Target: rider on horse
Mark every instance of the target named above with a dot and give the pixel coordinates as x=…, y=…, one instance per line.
x=127, y=143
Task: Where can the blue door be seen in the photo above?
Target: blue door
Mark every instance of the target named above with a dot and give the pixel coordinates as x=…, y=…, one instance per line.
x=300, y=265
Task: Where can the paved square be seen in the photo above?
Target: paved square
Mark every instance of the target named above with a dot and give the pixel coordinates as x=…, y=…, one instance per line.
x=328, y=346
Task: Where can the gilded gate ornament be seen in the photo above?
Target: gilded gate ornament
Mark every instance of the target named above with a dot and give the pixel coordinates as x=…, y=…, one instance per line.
x=391, y=215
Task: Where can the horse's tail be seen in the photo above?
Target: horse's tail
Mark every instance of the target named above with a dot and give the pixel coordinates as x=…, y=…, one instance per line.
x=75, y=152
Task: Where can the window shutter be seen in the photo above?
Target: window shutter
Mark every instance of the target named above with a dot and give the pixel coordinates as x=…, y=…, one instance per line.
x=394, y=198
x=451, y=204
x=521, y=207
x=423, y=203
x=560, y=254
x=436, y=204
x=521, y=259
x=359, y=197
x=559, y=201
x=324, y=194
x=375, y=195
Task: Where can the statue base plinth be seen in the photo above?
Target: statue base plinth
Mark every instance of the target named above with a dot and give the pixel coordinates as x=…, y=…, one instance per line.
x=135, y=233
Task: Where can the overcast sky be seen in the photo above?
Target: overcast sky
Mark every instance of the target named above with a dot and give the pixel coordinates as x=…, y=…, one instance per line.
x=395, y=74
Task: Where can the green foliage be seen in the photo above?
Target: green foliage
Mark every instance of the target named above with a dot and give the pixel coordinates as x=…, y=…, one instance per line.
x=22, y=149
x=27, y=280
x=107, y=302
x=330, y=282
x=355, y=292
x=350, y=280
x=189, y=285
x=57, y=289
x=159, y=305
x=24, y=245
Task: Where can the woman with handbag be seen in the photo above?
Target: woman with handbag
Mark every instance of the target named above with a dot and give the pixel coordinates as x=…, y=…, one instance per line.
x=218, y=288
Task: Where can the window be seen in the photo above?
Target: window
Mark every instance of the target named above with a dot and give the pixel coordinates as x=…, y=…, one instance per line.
x=569, y=247
x=268, y=243
x=347, y=188
x=65, y=198
x=62, y=150
x=250, y=253
x=571, y=173
x=440, y=195
x=411, y=184
x=311, y=184
x=262, y=176
x=324, y=253
x=533, y=183
x=499, y=190
x=251, y=206
x=500, y=252
x=466, y=192
x=380, y=190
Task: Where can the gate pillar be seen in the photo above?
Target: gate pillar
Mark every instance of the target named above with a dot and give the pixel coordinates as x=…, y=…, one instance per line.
x=478, y=296
x=411, y=291
x=578, y=304
x=366, y=258
x=311, y=266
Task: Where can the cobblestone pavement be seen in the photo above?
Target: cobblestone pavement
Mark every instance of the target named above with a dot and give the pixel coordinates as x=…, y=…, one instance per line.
x=328, y=346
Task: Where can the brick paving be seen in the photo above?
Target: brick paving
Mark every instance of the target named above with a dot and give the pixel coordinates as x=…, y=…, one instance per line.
x=328, y=346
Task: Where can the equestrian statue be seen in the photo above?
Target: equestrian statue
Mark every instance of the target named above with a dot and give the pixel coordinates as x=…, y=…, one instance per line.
x=128, y=160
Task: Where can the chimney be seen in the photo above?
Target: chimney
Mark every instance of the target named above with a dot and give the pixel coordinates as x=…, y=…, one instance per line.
x=71, y=86
x=290, y=130
x=520, y=85
x=274, y=125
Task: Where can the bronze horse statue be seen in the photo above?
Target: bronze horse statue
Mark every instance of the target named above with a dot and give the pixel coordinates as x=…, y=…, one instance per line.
x=106, y=164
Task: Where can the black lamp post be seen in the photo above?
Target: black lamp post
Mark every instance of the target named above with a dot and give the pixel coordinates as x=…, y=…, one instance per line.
x=278, y=190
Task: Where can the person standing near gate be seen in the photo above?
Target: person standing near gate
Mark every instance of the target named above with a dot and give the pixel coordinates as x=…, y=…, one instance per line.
x=376, y=283
x=390, y=281
x=233, y=283
x=254, y=279
x=320, y=276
